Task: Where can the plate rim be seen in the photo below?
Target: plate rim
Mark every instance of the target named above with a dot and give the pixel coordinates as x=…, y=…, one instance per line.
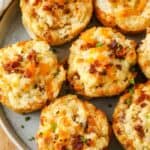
x=4, y=122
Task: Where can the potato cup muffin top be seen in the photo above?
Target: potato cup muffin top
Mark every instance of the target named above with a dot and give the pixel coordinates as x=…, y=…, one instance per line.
x=56, y=21
x=144, y=55
x=131, y=118
x=69, y=123
x=130, y=16
x=30, y=75
x=100, y=62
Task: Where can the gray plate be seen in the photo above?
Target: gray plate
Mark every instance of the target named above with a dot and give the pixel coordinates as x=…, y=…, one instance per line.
x=11, y=31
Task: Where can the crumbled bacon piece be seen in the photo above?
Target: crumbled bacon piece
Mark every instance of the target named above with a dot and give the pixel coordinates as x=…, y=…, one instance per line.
x=120, y=53
x=64, y=148
x=27, y=74
x=113, y=44
x=12, y=66
x=90, y=125
x=32, y=56
x=118, y=50
x=93, y=67
x=142, y=97
x=140, y=130
x=36, y=2
x=77, y=143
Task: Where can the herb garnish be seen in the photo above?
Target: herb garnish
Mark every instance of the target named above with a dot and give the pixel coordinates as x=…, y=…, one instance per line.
x=31, y=139
x=27, y=118
x=99, y=44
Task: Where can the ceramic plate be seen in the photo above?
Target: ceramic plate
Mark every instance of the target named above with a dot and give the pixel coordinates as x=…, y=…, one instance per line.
x=20, y=131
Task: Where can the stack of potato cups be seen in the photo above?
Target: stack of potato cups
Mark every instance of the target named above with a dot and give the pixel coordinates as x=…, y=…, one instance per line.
x=101, y=64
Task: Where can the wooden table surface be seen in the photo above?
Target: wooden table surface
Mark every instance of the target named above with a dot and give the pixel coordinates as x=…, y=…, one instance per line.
x=5, y=143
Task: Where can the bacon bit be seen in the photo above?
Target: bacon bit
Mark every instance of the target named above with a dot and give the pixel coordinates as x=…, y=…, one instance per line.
x=32, y=56
x=47, y=8
x=27, y=74
x=142, y=97
x=93, y=67
x=26, y=1
x=19, y=58
x=113, y=44
x=140, y=130
x=119, y=131
x=129, y=144
x=77, y=144
x=90, y=124
x=108, y=65
x=36, y=2
x=119, y=66
x=67, y=11
x=143, y=105
x=12, y=66
x=90, y=142
x=33, y=13
x=64, y=148
x=47, y=35
x=120, y=53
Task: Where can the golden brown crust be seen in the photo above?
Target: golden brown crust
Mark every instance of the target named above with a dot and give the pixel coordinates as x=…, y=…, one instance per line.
x=58, y=21
x=100, y=62
x=69, y=123
x=129, y=16
x=29, y=76
x=131, y=118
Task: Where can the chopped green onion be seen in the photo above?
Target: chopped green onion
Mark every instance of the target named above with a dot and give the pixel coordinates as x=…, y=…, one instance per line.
x=128, y=101
x=22, y=126
x=27, y=118
x=56, y=73
x=53, y=126
x=40, y=133
x=83, y=139
x=31, y=139
x=132, y=81
x=99, y=44
x=148, y=116
x=131, y=90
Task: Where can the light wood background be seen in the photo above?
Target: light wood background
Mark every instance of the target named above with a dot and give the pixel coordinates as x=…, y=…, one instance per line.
x=5, y=143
